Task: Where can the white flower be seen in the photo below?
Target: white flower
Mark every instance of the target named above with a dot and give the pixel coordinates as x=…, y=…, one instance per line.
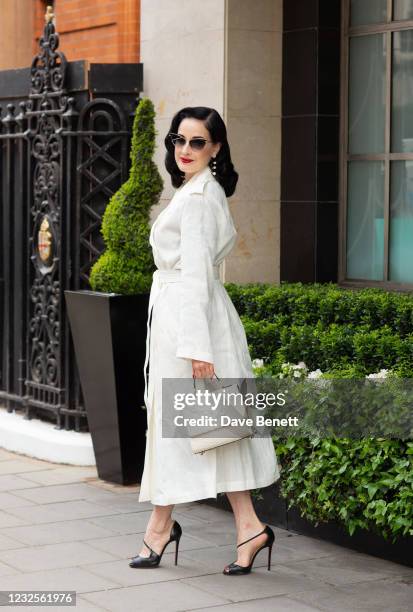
x=377, y=375
x=295, y=366
x=297, y=374
x=258, y=363
x=315, y=373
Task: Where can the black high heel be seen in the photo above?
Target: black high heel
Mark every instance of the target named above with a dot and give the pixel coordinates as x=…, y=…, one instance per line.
x=154, y=558
x=233, y=568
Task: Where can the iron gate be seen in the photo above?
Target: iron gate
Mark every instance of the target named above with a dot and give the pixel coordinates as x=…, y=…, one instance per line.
x=64, y=150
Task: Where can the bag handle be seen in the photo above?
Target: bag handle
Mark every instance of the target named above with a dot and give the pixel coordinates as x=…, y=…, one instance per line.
x=217, y=377
x=239, y=388
x=214, y=374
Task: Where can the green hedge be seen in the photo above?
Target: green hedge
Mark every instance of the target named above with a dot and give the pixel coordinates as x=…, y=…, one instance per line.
x=362, y=484
x=325, y=303
x=327, y=327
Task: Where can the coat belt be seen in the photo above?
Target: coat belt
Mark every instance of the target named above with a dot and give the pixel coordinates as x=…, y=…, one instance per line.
x=161, y=276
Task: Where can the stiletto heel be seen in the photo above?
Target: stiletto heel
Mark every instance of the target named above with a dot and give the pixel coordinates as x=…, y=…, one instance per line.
x=176, y=552
x=154, y=558
x=234, y=569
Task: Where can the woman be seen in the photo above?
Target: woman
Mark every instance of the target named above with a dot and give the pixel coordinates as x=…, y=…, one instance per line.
x=194, y=332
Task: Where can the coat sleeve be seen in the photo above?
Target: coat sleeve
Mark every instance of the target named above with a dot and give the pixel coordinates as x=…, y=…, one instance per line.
x=199, y=233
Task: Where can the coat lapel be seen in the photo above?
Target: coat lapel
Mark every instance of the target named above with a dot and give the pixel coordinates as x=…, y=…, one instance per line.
x=197, y=181
x=194, y=185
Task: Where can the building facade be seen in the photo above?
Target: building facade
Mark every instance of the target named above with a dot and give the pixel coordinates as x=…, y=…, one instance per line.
x=98, y=31
x=316, y=99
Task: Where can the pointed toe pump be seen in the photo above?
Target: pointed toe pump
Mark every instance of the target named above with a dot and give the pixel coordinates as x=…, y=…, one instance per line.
x=234, y=569
x=154, y=558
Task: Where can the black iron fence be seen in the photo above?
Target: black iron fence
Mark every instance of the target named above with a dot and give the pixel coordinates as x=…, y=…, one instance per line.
x=64, y=150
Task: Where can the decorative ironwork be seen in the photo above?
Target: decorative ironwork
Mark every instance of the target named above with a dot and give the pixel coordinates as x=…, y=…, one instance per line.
x=48, y=101
x=49, y=66
x=102, y=145
x=58, y=168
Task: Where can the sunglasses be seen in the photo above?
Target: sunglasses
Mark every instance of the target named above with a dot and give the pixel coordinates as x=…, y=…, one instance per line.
x=197, y=144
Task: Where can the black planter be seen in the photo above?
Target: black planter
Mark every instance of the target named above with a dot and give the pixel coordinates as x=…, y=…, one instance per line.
x=109, y=336
x=272, y=508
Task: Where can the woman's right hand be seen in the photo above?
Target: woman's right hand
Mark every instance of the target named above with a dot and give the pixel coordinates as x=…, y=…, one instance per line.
x=202, y=369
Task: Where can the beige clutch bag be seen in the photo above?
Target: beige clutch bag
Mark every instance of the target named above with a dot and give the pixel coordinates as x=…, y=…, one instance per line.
x=207, y=438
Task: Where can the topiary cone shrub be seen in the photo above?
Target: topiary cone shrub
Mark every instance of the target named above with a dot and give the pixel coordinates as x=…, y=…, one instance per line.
x=127, y=265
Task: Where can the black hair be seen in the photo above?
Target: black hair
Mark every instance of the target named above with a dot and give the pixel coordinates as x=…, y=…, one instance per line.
x=226, y=175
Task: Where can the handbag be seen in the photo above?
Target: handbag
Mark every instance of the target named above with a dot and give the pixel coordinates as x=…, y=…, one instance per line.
x=202, y=441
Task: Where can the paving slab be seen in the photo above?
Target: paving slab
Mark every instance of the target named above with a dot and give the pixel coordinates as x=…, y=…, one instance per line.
x=374, y=596
x=173, y=596
x=60, y=475
x=256, y=585
x=7, y=542
x=53, y=556
x=349, y=567
x=132, y=489
x=14, y=482
x=65, y=492
x=301, y=548
x=13, y=500
x=7, y=570
x=82, y=606
x=265, y=604
x=131, y=523
x=311, y=546
x=78, y=579
x=8, y=519
x=60, y=511
x=55, y=533
x=123, y=504
x=62, y=528
x=17, y=466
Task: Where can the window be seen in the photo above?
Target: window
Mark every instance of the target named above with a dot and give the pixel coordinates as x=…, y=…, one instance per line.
x=376, y=186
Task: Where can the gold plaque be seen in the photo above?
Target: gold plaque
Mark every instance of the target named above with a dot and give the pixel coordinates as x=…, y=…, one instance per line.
x=44, y=240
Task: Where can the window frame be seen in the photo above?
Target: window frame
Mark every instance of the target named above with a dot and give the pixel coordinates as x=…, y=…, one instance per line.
x=387, y=157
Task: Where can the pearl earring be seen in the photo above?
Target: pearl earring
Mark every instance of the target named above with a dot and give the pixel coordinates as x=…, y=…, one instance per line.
x=214, y=166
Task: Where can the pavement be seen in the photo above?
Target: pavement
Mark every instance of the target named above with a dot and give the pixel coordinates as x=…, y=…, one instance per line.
x=62, y=528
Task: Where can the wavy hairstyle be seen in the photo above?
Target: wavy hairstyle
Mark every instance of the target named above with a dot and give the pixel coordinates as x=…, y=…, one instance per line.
x=226, y=175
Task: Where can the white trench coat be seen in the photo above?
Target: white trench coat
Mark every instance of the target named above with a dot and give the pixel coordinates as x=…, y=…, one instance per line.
x=193, y=317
